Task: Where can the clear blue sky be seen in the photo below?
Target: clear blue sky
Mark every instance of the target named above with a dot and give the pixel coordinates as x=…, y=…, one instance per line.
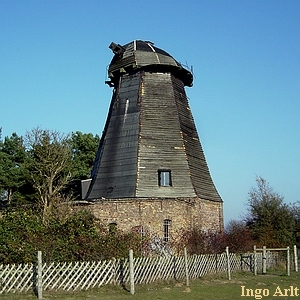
x=246, y=61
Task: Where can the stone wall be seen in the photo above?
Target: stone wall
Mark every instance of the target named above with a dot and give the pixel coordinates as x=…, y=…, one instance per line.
x=184, y=214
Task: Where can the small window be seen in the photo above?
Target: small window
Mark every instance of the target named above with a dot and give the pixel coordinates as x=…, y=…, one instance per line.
x=164, y=178
x=167, y=226
x=139, y=230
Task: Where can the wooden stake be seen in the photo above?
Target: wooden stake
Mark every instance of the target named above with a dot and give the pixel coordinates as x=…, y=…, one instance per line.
x=186, y=268
x=264, y=260
x=254, y=260
x=40, y=274
x=288, y=261
x=296, y=258
x=228, y=263
x=131, y=272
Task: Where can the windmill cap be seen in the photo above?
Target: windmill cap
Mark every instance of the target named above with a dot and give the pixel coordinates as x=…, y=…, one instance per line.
x=144, y=55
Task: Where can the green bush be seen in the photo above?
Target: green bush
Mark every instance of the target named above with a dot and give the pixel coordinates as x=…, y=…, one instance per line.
x=19, y=236
x=76, y=237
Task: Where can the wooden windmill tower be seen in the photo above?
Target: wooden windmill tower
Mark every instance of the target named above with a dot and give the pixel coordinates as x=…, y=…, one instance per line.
x=150, y=169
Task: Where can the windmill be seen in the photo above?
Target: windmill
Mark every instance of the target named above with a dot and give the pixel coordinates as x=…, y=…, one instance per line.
x=150, y=150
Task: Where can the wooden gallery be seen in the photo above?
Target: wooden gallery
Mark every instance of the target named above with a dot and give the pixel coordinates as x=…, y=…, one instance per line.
x=150, y=173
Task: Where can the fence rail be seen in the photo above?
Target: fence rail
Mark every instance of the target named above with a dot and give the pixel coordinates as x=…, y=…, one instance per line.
x=73, y=276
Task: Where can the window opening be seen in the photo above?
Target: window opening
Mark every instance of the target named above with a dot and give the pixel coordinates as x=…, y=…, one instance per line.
x=140, y=229
x=164, y=178
x=167, y=225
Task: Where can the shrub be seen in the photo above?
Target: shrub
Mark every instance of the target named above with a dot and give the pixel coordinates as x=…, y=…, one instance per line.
x=77, y=237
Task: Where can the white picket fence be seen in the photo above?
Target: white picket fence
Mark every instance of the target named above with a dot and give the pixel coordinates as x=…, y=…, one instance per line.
x=73, y=276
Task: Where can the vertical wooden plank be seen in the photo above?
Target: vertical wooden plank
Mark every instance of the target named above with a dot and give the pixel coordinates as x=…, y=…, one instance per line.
x=296, y=258
x=228, y=263
x=115, y=276
x=288, y=261
x=254, y=260
x=264, y=260
x=186, y=268
x=131, y=272
x=40, y=274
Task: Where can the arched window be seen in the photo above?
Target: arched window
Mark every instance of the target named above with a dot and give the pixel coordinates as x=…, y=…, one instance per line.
x=167, y=227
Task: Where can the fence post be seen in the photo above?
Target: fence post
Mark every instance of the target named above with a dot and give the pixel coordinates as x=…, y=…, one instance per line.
x=114, y=262
x=296, y=258
x=288, y=261
x=131, y=272
x=228, y=263
x=264, y=260
x=40, y=274
x=186, y=268
x=254, y=260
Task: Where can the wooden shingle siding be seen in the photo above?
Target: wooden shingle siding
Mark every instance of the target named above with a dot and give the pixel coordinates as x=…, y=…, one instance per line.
x=129, y=61
x=116, y=173
x=151, y=127
x=161, y=144
x=200, y=175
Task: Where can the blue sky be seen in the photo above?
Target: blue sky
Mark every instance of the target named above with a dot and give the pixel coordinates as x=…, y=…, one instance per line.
x=246, y=62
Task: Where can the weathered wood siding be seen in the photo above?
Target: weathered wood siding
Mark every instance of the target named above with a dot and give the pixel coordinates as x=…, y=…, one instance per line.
x=150, y=127
x=199, y=170
x=160, y=143
x=116, y=171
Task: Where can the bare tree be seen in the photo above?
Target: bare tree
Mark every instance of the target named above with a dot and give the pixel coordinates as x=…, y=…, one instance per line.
x=48, y=165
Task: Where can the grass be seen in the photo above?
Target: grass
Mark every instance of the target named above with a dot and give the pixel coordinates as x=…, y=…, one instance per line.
x=209, y=287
